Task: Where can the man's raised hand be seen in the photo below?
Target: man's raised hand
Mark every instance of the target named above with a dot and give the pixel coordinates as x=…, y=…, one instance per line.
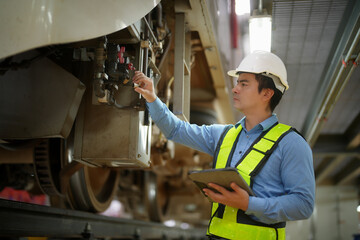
x=144, y=86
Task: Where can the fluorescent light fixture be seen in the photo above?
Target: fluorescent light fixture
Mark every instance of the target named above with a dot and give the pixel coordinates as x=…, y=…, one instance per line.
x=358, y=209
x=260, y=32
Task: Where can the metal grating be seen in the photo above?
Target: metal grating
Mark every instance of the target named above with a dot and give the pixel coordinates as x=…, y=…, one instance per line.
x=303, y=34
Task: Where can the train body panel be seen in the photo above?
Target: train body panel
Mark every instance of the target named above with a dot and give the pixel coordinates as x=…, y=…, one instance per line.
x=30, y=24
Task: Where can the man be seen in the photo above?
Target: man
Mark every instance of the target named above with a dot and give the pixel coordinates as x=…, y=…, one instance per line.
x=273, y=158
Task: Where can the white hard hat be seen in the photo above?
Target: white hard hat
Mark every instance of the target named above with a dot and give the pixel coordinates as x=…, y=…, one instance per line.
x=264, y=63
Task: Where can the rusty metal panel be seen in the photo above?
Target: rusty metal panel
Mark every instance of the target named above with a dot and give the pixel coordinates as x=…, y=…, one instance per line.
x=114, y=137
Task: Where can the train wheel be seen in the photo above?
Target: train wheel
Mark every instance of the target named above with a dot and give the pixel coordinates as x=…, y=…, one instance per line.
x=89, y=189
x=156, y=196
x=92, y=189
x=47, y=165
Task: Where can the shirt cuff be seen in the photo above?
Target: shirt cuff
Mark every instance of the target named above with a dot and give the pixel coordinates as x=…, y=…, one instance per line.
x=155, y=107
x=256, y=205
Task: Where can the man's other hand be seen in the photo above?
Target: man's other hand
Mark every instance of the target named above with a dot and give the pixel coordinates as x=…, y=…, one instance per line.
x=238, y=198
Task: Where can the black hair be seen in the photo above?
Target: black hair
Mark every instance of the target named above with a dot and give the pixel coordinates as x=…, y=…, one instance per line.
x=267, y=82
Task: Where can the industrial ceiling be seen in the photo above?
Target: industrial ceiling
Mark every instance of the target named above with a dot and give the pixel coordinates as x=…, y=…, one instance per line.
x=319, y=42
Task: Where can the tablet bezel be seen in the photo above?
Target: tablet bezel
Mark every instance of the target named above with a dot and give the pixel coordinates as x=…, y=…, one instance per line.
x=221, y=176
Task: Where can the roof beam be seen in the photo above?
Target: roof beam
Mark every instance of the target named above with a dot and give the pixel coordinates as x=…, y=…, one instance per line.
x=355, y=142
x=328, y=143
x=349, y=173
x=353, y=133
x=329, y=168
x=333, y=146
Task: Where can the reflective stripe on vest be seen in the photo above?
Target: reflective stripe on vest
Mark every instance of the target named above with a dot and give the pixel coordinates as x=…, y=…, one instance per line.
x=225, y=221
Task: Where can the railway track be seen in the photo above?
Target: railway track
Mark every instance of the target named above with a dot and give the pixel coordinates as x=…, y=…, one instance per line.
x=19, y=219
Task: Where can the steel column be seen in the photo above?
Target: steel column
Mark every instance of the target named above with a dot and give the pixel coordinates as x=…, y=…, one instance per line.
x=182, y=56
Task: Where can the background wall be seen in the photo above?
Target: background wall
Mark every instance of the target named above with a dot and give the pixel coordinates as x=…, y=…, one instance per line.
x=334, y=218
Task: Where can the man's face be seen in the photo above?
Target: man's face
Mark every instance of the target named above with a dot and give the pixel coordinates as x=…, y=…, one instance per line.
x=245, y=93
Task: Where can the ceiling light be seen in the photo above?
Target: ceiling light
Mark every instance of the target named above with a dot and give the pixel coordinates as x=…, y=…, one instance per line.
x=260, y=31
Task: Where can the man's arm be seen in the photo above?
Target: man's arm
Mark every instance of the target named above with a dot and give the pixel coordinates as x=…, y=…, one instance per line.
x=298, y=184
x=202, y=138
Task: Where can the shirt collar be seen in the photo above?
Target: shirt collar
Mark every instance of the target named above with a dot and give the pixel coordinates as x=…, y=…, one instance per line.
x=264, y=125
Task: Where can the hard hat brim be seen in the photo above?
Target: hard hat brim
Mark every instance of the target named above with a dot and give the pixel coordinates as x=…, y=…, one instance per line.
x=233, y=73
x=236, y=73
x=278, y=84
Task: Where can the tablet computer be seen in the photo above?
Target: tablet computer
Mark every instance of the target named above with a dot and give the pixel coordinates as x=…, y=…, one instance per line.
x=222, y=176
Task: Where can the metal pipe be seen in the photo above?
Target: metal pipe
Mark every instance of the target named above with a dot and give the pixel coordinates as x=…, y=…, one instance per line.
x=347, y=78
x=167, y=48
x=260, y=6
x=351, y=49
x=119, y=106
x=332, y=92
x=146, y=50
x=150, y=30
x=349, y=25
x=145, y=61
x=234, y=26
x=159, y=15
x=168, y=89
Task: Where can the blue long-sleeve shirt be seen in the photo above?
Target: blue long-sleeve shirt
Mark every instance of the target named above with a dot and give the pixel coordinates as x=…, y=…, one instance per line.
x=284, y=188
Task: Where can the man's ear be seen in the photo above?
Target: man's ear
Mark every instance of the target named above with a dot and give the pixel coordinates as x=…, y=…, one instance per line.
x=268, y=93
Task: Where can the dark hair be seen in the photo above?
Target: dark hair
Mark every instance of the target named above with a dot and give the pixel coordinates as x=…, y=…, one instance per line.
x=267, y=82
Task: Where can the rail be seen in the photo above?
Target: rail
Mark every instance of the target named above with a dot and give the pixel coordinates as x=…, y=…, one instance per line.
x=19, y=219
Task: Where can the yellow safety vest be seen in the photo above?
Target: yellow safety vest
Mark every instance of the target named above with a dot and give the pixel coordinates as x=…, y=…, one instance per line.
x=231, y=223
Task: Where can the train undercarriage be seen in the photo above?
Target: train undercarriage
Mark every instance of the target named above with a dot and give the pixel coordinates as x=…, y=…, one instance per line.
x=73, y=128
